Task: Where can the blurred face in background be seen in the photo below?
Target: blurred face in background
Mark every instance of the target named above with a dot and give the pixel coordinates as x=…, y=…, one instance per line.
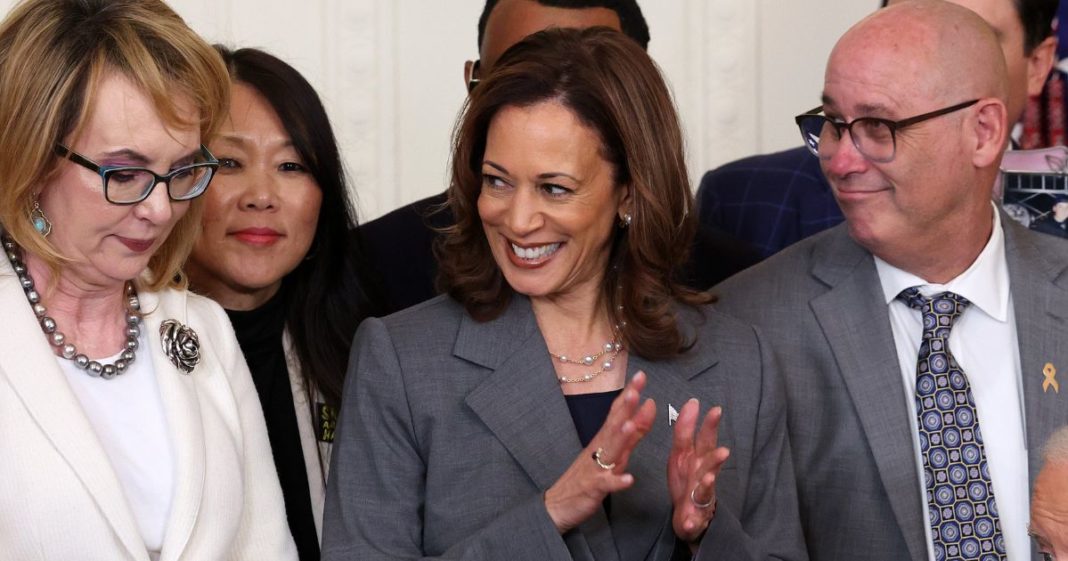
x=513, y=20
x=261, y=211
x=1049, y=510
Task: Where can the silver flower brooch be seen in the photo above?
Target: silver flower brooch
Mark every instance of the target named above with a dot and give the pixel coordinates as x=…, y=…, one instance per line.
x=180, y=344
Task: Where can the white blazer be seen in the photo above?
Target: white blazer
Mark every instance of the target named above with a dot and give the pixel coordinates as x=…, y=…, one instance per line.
x=59, y=496
x=316, y=453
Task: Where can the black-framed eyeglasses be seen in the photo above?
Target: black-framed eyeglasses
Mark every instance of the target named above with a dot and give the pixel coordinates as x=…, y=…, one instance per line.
x=874, y=138
x=128, y=185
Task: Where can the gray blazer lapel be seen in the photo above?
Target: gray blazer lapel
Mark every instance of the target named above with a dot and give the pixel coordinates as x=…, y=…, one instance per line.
x=641, y=515
x=26, y=360
x=855, y=321
x=1040, y=288
x=521, y=403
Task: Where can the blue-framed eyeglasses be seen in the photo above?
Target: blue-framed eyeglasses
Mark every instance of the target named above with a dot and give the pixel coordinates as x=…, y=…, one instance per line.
x=128, y=185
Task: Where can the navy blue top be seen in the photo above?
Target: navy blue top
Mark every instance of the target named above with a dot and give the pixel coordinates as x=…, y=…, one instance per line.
x=589, y=410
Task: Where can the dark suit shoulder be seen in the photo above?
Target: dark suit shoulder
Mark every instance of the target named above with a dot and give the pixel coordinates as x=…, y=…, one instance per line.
x=769, y=201
x=421, y=213
x=795, y=160
x=400, y=251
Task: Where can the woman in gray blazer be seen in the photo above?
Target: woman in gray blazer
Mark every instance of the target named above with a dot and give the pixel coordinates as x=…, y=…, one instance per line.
x=550, y=405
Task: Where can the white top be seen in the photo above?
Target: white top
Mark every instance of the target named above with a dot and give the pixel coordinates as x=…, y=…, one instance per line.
x=127, y=415
x=984, y=342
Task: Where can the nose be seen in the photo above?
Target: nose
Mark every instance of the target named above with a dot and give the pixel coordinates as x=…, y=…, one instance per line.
x=844, y=158
x=260, y=191
x=524, y=213
x=157, y=207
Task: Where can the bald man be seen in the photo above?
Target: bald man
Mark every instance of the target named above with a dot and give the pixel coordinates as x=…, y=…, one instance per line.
x=774, y=200
x=897, y=330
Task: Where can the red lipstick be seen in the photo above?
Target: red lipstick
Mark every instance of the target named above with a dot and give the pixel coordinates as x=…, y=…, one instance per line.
x=258, y=236
x=135, y=245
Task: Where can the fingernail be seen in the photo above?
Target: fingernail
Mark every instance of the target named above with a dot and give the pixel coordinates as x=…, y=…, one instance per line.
x=628, y=478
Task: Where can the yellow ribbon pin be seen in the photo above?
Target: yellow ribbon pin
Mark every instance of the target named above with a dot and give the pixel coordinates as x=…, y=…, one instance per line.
x=1051, y=378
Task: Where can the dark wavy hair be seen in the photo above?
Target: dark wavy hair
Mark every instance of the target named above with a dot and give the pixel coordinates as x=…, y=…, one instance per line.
x=327, y=293
x=615, y=89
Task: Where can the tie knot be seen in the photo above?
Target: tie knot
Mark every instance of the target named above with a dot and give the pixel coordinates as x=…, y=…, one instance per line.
x=939, y=311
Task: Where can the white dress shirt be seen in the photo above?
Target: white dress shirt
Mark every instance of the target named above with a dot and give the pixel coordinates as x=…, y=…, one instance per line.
x=984, y=342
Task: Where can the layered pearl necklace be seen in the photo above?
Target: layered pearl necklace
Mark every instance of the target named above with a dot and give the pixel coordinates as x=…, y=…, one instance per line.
x=609, y=351
x=59, y=340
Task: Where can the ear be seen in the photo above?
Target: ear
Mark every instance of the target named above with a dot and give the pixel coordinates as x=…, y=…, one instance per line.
x=991, y=132
x=470, y=73
x=624, y=206
x=468, y=67
x=1039, y=64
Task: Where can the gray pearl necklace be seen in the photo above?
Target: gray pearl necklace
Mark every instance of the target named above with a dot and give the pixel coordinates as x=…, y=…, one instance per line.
x=59, y=340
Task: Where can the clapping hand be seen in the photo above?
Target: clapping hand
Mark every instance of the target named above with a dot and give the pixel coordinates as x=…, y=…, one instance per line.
x=601, y=468
x=693, y=467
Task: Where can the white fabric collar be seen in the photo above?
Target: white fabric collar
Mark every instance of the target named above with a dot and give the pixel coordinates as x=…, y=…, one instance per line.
x=985, y=283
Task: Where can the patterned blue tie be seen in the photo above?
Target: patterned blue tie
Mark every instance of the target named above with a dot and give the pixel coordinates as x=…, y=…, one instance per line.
x=960, y=498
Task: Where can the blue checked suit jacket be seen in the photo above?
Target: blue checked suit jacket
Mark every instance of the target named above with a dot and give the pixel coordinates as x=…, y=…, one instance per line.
x=769, y=201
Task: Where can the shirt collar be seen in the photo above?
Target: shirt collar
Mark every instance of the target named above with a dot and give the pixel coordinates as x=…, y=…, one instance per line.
x=985, y=283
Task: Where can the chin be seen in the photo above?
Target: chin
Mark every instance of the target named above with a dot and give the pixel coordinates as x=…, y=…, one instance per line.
x=526, y=284
x=256, y=280
x=864, y=233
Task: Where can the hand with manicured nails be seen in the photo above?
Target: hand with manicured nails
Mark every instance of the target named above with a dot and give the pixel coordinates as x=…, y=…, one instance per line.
x=583, y=487
x=693, y=466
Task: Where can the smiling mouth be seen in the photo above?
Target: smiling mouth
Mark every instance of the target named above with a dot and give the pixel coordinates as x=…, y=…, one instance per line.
x=534, y=253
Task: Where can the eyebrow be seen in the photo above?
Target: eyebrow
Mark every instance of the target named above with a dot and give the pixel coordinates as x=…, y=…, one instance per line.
x=244, y=140
x=546, y=175
x=865, y=109
x=143, y=160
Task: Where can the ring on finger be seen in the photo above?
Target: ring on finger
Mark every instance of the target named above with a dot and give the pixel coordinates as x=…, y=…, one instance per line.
x=600, y=462
x=693, y=499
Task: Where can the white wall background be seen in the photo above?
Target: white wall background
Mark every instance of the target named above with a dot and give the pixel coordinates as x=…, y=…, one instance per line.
x=390, y=73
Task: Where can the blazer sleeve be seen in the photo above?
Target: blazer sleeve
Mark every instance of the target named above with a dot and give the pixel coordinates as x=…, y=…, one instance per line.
x=375, y=496
x=769, y=524
x=263, y=532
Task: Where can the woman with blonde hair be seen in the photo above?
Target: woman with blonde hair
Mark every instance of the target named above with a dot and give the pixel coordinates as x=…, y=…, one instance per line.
x=130, y=426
